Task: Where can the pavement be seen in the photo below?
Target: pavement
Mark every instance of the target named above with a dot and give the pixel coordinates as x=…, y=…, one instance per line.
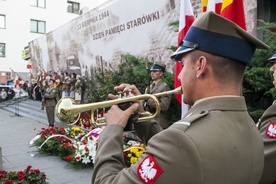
x=19, y=124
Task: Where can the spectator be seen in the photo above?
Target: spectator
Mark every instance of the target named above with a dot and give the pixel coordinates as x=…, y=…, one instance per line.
x=3, y=94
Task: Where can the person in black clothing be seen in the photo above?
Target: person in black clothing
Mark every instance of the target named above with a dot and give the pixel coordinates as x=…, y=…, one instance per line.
x=11, y=93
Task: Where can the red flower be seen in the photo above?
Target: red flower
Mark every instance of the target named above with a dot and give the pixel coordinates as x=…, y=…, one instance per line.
x=2, y=173
x=21, y=175
x=86, y=149
x=62, y=129
x=28, y=168
x=68, y=158
x=8, y=182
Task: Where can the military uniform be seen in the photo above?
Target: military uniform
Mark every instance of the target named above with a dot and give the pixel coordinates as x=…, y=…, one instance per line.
x=267, y=127
x=50, y=103
x=165, y=101
x=183, y=152
x=217, y=142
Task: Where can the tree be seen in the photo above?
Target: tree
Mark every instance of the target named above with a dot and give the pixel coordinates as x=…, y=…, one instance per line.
x=258, y=89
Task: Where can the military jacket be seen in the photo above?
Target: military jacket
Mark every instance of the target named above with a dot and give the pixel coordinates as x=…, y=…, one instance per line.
x=164, y=101
x=267, y=127
x=49, y=97
x=216, y=142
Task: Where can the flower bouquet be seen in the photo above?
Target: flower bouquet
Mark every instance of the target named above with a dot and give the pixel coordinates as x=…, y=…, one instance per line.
x=28, y=176
x=78, y=147
x=133, y=149
x=73, y=145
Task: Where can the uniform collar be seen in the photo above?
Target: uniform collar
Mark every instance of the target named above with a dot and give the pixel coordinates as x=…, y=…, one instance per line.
x=233, y=103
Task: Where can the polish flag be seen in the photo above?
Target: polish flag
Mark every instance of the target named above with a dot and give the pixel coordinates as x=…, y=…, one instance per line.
x=18, y=81
x=214, y=5
x=186, y=19
x=234, y=11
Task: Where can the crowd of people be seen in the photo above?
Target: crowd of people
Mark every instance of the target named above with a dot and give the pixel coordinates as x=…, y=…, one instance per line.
x=7, y=94
x=66, y=84
x=51, y=87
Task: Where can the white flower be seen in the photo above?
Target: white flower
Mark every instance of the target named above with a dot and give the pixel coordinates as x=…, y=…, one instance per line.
x=86, y=160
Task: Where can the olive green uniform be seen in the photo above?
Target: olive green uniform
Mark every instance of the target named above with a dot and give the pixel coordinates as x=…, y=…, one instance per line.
x=164, y=101
x=267, y=128
x=50, y=103
x=217, y=142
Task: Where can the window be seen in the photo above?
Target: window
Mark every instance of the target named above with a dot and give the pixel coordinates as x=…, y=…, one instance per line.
x=2, y=49
x=73, y=7
x=38, y=26
x=2, y=21
x=38, y=3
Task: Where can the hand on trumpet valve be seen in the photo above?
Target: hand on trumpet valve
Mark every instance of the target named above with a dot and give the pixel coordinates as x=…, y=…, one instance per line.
x=122, y=114
x=129, y=91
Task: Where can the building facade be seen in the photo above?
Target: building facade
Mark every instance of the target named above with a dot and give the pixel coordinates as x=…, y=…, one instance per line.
x=25, y=20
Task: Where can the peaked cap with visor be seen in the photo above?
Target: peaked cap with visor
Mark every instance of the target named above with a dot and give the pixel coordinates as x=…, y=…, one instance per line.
x=272, y=59
x=215, y=34
x=158, y=67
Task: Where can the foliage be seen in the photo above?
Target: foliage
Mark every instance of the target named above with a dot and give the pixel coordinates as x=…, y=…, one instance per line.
x=132, y=70
x=27, y=176
x=174, y=25
x=258, y=89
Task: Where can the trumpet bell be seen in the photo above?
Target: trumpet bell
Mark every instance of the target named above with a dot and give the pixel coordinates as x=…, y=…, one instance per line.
x=64, y=115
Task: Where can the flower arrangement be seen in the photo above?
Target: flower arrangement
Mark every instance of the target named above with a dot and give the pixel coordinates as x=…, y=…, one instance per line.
x=133, y=149
x=84, y=120
x=27, y=176
x=78, y=147
x=73, y=145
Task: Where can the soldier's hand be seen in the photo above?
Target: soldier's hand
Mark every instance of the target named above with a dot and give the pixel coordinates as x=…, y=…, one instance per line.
x=119, y=117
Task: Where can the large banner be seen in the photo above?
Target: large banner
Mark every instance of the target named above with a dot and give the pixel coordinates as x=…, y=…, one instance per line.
x=101, y=36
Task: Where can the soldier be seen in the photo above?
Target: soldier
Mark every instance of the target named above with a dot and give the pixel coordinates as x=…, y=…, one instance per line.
x=50, y=102
x=217, y=141
x=267, y=127
x=158, y=86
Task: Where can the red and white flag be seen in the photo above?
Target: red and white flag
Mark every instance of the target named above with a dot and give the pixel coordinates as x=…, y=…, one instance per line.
x=17, y=81
x=185, y=21
x=214, y=5
x=234, y=11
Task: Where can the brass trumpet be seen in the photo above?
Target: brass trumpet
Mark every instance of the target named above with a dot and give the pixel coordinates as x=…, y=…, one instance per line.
x=68, y=113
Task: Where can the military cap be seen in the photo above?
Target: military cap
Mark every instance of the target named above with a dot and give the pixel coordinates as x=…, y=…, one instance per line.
x=272, y=59
x=215, y=34
x=158, y=67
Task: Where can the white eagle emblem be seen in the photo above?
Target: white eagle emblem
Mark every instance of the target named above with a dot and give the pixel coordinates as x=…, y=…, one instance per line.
x=271, y=130
x=147, y=172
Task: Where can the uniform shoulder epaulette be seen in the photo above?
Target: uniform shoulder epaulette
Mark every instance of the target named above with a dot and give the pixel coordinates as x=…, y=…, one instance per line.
x=192, y=117
x=184, y=123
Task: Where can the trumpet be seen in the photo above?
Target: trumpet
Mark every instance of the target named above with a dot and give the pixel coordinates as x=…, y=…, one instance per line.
x=68, y=113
